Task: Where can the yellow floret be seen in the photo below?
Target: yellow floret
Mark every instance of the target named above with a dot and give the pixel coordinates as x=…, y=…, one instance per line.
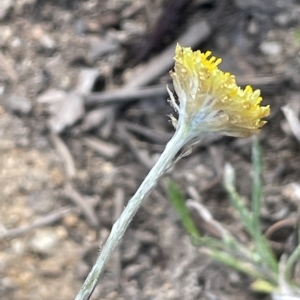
x=210, y=100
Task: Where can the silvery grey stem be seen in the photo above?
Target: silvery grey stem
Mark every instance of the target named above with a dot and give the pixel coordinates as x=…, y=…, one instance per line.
x=161, y=166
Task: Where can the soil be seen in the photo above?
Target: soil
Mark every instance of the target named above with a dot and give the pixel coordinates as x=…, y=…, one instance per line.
x=68, y=165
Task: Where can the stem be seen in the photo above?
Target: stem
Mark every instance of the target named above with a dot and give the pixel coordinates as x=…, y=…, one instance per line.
x=290, y=265
x=261, y=243
x=256, y=185
x=234, y=263
x=164, y=162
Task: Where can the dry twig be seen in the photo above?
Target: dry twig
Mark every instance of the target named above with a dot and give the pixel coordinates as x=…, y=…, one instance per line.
x=41, y=222
x=85, y=207
x=65, y=155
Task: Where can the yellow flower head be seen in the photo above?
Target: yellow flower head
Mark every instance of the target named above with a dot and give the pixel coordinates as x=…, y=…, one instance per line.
x=210, y=100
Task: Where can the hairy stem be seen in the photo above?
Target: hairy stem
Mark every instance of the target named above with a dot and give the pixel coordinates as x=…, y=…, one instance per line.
x=162, y=165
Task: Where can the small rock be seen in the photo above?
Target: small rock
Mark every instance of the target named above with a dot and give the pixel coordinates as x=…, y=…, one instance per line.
x=44, y=40
x=18, y=104
x=2, y=88
x=94, y=118
x=100, y=47
x=80, y=27
x=47, y=43
x=93, y=26
x=108, y=150
x=65, y=108
x=253, y=27
x=44, y=241
x=86, y=81
x=56, y=177
x=110, y=20
x=292, y=192
x=18, y=246
x=282, y=19
x=69, y=111
x=132, y=27
x=70, y=220
x=13, y=132
x=51, y=96
x=15, y=46
x=6, y=6
x=8, y=286
x=5, y=34
x=134, y=270
x=16, y=42
x=271, y=48
x=20, y=5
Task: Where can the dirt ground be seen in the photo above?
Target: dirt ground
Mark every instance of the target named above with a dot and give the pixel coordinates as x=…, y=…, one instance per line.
x=77, y=139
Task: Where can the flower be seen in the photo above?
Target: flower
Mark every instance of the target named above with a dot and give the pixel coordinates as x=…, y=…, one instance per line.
x=210, y=100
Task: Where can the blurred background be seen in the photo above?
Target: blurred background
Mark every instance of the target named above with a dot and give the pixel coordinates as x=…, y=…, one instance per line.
x=83, y=117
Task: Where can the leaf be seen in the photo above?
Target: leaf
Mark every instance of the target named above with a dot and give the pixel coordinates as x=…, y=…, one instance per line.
x=179, y=205
x=262, y=286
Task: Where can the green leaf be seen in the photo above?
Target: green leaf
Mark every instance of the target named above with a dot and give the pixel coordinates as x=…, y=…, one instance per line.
x=179, y=205
x=263, y=286
x=261, y=244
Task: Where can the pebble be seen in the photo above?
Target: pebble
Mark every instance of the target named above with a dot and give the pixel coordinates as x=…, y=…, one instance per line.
x=80, y=27
x=18, y=104
x=47, y=43
x=57, y=177
x=86, y=81
x=5, y=34
x=20, y=5
x=271, y=48
x=65, y=108
x=133, y=270
x=292, y=192
x=44, y=241
x=6, y=6
x=18, y=246
x=68, y=111
x=283, y=19
x=70, y=220
x=109, y=19
x=132, y=27
x=100, y=47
